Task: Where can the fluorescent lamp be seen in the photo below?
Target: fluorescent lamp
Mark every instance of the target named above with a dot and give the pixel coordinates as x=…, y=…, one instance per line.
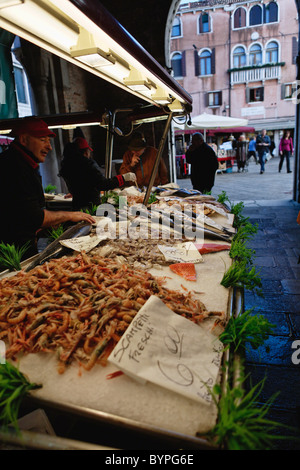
x=87, y=52
x=161, y=97
x=10, y=3
x=175, y=106
x=93, y=57
x=141, y=85
x=73, y=126
x=137, y=82
x=58, y=26
x=5, y=131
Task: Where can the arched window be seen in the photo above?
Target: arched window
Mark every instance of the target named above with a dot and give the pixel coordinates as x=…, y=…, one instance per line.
x=204, y=23
x=176, y=64
x=272, y=52
x=255, y=55
x=271, y=13
x=205, y=62
x=239, y=18
x=255, y=15
x=176, y=27
x=239, y=57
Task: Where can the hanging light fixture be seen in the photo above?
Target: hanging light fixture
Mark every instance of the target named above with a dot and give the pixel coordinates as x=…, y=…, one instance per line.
x=92, y=39
x=87, y=52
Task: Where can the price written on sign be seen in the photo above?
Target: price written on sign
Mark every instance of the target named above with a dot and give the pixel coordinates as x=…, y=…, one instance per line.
x=166, y=349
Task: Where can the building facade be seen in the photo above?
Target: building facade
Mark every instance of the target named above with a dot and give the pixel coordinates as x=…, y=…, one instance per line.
x=238, y=58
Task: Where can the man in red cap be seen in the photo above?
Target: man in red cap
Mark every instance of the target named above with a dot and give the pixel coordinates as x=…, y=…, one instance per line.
x=83, y=175
x=22, y=202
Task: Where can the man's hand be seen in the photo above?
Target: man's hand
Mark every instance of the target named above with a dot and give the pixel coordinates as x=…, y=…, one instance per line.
x=134, y=161
x=81, y=217
x=129, y=177
x=52, y=218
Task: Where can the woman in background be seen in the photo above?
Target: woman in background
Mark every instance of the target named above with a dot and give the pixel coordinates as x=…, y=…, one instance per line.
x=286, y=149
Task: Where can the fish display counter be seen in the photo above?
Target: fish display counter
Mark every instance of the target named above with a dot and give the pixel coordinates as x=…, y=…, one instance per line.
x=124, y=330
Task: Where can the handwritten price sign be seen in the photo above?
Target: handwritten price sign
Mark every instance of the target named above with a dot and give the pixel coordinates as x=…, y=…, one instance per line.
x=164, y=348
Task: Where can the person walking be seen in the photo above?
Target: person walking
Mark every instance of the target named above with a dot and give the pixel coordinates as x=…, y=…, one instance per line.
x=286, y=149
x=204, y=163
x=263, y=143
x=241, y=153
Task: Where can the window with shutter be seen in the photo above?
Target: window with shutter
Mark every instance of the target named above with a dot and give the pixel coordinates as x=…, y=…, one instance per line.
x=205, y=63
x=271, y=12
x=239, y=18
x=176, y=64
x=294, y=49
x=197, y=63
x=255, y=15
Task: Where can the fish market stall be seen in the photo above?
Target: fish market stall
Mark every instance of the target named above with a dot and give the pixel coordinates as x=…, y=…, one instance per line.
x=122, y=287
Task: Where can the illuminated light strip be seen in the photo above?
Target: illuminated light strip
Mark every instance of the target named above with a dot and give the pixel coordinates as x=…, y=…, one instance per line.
x=74, y=12
x=56, y=28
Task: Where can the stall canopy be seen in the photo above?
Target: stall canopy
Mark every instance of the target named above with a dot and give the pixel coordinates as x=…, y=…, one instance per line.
x=87, y=35
x=210, y=121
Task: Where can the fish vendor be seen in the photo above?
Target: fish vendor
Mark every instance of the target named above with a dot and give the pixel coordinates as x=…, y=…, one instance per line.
x=22, y=202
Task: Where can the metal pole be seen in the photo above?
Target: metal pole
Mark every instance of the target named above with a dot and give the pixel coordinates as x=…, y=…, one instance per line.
x=296, y=190
x=158, y=157
x=108, y=149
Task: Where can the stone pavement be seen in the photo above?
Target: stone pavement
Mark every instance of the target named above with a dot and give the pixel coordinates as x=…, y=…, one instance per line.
x=268, y=203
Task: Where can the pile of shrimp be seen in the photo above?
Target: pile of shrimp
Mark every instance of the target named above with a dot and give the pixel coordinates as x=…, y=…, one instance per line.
x=79, y=307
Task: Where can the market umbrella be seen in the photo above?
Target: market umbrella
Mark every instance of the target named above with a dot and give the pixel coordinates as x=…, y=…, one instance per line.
x=211, y=121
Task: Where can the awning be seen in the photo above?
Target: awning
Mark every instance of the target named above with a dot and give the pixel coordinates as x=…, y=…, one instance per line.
x=229, y=130
x=87, y=35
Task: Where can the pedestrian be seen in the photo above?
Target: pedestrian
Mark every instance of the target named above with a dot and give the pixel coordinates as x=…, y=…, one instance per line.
x=22, y=202
x=140, y=159
x=252, y=149
x=272, y=148
x=83, y=175
x=263, y=143
x=204, y=163
x=286, y=149
x=241, y=153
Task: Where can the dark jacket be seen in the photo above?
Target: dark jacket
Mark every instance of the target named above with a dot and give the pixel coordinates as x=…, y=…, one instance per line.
x=84, y=178
x=21, y=197
x=261, y=149
x=204, y=164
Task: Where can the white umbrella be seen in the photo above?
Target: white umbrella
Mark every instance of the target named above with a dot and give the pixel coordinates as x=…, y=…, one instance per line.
x=211, y=121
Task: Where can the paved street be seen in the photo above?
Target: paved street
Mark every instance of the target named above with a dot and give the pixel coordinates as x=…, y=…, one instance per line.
x=250, y=185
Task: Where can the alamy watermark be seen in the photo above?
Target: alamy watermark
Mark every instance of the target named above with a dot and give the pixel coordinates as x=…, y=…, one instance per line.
x=138, y=221
x=2, y=352
x=296, y=92
x=296, y=353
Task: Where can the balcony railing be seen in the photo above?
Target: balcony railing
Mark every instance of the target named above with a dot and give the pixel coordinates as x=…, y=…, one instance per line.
x=256, y=73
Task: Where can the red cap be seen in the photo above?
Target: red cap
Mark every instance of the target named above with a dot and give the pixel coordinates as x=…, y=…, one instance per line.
x=82, y=143
x=33, y=126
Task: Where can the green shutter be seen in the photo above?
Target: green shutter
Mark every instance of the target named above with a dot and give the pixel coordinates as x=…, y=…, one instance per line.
x=8, y=99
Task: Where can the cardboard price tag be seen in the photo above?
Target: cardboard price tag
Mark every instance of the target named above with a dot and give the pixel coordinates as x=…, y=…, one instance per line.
x=162, y=347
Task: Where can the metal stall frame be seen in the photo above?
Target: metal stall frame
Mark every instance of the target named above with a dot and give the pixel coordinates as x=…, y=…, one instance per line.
x=75, y=18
